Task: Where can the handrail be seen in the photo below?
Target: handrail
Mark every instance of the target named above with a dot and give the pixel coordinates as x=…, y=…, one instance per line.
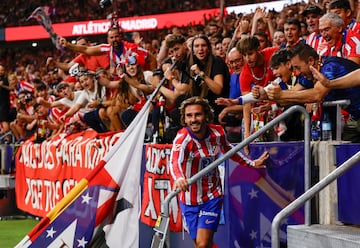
x=247, y=141
x=275, y=243
x=338, y=104
x=4, y=135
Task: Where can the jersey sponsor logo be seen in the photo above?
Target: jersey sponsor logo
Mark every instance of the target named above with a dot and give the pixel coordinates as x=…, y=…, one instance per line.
x=205, y=213
x=204, y=162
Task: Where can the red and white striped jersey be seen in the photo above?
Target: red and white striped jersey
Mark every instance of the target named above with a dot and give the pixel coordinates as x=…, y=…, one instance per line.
x=26, y=86
x=190, y=155
x=316, y=41
x=354, y=26
x=129, y=49
x=348, y=46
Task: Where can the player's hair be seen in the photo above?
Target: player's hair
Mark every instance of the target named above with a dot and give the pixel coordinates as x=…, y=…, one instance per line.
x=208, y=111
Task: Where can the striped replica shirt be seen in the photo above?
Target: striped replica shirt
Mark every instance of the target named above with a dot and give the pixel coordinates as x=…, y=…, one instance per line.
x=346, y=47
x=129, y=49
x=316, y=41
x=190, y=155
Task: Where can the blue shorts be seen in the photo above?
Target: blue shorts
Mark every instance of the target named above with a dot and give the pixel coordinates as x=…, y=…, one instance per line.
x=206, y=215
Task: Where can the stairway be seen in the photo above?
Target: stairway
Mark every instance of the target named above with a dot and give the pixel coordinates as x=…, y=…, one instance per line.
x=323, y=236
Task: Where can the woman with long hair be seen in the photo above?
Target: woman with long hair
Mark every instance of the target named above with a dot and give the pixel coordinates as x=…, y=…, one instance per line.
x=209, y=73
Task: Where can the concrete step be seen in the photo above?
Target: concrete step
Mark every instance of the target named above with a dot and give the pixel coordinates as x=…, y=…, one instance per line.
x=323, y=236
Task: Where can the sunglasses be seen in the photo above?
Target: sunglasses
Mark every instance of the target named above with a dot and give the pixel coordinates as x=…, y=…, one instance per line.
x=131, y=60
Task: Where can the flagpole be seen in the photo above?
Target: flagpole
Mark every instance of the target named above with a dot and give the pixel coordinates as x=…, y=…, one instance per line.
x=128, y=130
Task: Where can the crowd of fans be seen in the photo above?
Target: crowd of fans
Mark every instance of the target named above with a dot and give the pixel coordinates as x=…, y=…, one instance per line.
x=104, y=86
x=16, y=13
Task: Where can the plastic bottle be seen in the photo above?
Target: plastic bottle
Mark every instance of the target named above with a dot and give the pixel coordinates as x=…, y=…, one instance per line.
x=326, y=128
x=315, y=124
x=315, y=130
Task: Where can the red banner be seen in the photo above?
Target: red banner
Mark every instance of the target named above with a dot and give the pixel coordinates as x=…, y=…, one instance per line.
x=46, y=172
x=157, y=185
x=97, y=27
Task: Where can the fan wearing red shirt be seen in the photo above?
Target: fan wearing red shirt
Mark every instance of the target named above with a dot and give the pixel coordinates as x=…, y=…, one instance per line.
x=256, y=71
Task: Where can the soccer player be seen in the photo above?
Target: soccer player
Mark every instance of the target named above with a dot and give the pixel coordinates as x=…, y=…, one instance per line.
x=196, y=146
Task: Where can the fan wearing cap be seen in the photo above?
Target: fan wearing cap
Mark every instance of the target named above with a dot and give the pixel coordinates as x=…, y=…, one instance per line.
x=132, y=89
x=343, y=9
x=312, y=15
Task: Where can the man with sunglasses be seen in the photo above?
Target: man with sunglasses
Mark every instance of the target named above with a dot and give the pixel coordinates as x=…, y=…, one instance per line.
x=116, y=49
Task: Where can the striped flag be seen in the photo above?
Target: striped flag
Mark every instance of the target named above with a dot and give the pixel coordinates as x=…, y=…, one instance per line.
x=102, y=207
x=42, y=15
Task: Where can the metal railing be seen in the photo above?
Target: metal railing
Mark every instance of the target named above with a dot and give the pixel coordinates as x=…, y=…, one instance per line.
x=162, y=225
x=339, y=104
x=275, y=241
x=4, y=136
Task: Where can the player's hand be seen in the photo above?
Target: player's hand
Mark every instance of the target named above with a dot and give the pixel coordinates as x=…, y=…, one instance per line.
x=246, y=150
x=259, y=162
x=226, y=101
x=181, y=183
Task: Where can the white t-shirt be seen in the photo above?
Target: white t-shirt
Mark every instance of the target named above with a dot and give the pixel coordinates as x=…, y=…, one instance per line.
x=87, y=97
x=68, y=102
